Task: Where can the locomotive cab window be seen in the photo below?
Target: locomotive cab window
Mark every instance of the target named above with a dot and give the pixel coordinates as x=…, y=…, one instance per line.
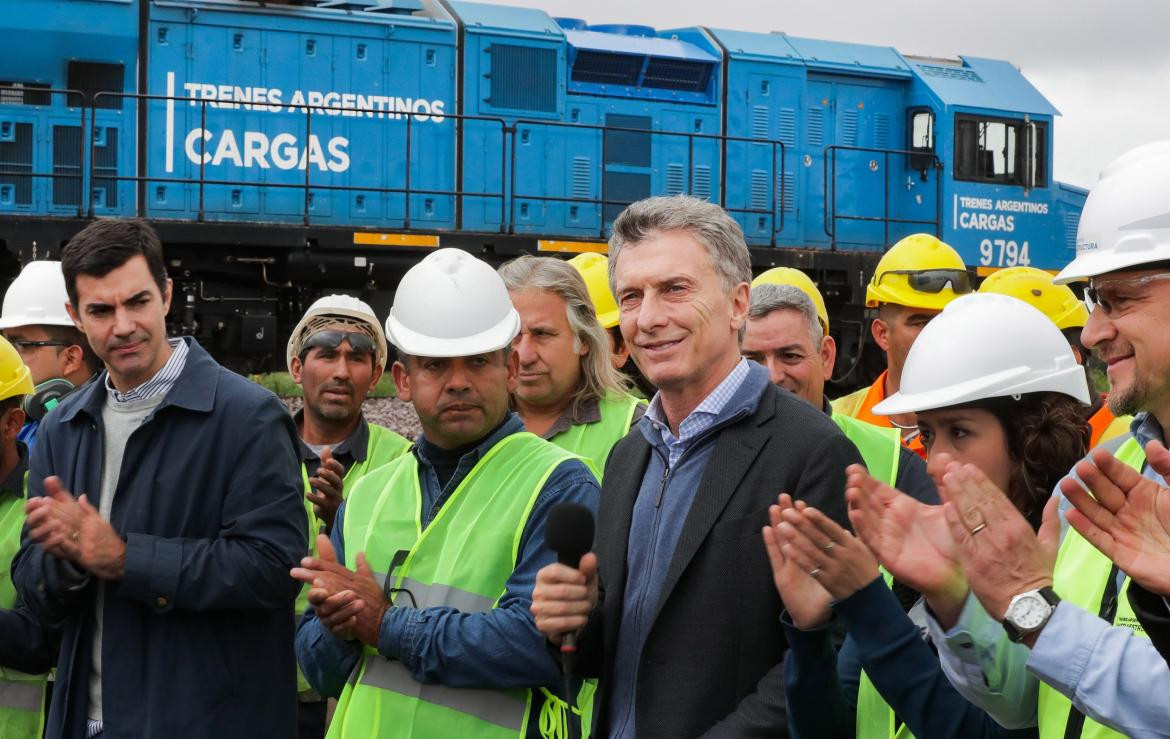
x=1001, y=150
x=921, y=130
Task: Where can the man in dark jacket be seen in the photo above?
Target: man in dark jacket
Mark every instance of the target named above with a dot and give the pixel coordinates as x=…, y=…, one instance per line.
x=167, y=571
x=676, y=612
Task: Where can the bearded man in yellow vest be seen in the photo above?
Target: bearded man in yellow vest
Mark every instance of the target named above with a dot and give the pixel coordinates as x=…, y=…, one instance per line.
x=787, y=332
x=1071, y=657
x=28, y=648
x=337, y=354
x=913, y=282
x=568, y=392
x=421, y=596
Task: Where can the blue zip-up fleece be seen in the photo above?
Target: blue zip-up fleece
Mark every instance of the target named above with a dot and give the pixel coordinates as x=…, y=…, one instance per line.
x=664, y=500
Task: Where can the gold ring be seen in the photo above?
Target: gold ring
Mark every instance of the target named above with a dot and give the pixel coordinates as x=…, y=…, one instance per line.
x=978, y=528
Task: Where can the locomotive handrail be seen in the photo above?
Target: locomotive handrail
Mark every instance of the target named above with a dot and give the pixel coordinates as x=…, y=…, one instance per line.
x=778, y=193
x=830, y=210
x=307, y=186
x=81, y=163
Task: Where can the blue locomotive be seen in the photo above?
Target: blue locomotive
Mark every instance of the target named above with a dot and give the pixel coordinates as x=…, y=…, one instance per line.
x=288, y=148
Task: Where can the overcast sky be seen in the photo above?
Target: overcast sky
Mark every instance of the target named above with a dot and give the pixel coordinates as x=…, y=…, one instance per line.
x=1105, y=64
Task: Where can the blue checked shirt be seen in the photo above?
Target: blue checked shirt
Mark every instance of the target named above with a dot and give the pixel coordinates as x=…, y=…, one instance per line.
x=700, y=419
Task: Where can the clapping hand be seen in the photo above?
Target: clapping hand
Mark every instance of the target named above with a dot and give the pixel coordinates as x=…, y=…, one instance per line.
x=835, y=557
x=806, y=600
x=349, y=603
x=910, y=539
x=1127, y=516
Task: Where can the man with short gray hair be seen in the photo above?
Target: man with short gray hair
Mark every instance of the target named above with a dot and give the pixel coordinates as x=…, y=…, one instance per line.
x=784, y=334
x=675, y=611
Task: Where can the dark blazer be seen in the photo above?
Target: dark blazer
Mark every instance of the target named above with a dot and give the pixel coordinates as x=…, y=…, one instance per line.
x=198, y=634
x=712, y=660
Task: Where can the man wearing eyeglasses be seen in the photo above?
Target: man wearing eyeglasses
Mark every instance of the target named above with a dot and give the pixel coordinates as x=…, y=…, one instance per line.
x=1072, y=656
x=337, y=354
x=913, y=282
x=34, y=320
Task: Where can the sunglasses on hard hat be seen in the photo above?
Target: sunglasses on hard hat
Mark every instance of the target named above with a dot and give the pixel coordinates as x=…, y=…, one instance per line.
x=358, y=341
x=1104, y=294
x=933, y=280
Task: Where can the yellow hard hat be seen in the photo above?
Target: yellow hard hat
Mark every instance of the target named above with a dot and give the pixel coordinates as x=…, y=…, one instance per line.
x=797, y=279
x=15, y=379
x=594, y=268
x=919, y=272
x=1035, y=286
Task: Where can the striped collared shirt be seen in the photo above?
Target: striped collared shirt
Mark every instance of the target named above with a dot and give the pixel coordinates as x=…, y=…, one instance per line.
x=162, y=381
x=701, y=418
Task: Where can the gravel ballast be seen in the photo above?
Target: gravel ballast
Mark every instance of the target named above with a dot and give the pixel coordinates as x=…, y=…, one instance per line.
x=394, y=414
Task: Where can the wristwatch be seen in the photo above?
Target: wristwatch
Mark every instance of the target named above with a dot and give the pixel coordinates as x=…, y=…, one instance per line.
x=1028, y=612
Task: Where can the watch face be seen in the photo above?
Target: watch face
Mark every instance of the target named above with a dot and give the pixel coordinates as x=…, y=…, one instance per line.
x=1029, y=611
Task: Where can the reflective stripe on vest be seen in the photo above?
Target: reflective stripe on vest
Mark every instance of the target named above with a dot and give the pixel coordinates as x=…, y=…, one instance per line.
x=1085, y=578
x=443, y=566
x=21, y=696
x=881, y=448
x=593, y=441
x=875, y=718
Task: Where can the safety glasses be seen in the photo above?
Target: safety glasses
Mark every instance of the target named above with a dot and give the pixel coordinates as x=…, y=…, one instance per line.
x=1105, y=294
x=933, y=280
x=23, y=346
x=358, y=341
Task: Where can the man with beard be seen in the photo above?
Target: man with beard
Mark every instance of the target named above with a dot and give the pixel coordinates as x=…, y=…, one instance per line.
x=1070, y=656
x=337, y=354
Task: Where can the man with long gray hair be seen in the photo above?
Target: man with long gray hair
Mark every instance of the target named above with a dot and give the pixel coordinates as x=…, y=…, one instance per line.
x=676, y=611
x=568, y=391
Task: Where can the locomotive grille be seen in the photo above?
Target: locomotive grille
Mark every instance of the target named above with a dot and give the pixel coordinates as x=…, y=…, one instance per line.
x=16, y=159
x=66, y=165
x=524, y=78
x=677, y=74
x=786, y=126
x=606, y=69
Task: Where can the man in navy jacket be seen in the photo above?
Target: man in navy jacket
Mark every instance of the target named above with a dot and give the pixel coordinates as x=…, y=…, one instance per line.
x=165, y=511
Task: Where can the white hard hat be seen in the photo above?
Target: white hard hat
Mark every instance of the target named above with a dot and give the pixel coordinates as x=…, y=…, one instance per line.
x=451, y=305
x=1126, y=219
x=37, y=297
x=984, y=346
x=331, y=310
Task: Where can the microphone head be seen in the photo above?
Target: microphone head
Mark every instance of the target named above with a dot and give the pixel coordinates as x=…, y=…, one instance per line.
x=569, y=532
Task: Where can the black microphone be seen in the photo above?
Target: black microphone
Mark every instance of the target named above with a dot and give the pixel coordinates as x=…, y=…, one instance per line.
x=569, y=533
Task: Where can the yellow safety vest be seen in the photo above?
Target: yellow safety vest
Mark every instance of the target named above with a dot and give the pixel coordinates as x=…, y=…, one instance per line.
x=22, y=697
x=875, y=718
x=384, y=446
x=879, y=447
x=443, y=566
x=1087, y=578
x=593, y=441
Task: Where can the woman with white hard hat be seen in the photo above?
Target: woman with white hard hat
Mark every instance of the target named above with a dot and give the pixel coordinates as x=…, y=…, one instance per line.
x=994, y=384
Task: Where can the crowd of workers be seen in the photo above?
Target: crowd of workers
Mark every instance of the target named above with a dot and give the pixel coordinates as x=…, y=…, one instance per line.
x=976, y=545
